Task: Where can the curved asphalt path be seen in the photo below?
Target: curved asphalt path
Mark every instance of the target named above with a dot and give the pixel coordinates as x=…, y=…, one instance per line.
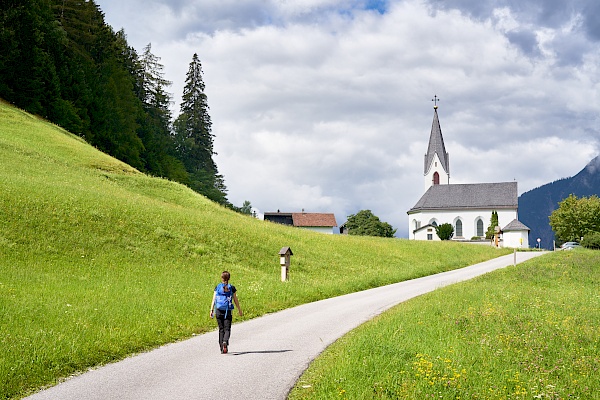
x=267, y=355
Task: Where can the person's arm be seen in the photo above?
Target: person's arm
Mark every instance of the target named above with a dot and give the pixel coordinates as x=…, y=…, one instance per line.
x=212, y=305
x=237, y=304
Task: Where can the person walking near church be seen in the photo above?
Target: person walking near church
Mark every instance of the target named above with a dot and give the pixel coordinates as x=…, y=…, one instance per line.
x=222, y=307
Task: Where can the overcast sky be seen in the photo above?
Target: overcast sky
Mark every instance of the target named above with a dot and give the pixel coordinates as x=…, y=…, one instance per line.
x=325, y=105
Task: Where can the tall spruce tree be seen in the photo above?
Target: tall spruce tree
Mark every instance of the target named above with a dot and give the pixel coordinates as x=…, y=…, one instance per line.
x=159, y=155
x=194, y=139
x=155, y=97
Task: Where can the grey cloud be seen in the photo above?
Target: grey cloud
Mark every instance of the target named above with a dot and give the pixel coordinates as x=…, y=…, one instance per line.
x=200, y=16
x=571, y=49
x=548, y=13
x=234, y=15
x=535, y=14
x=591, y=13
x=526, y=41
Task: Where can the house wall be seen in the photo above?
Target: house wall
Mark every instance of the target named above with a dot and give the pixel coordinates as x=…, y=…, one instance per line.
x=285, y=219
x=320, y=229
x=516, y=239
x=422, y=234
x=468, y=217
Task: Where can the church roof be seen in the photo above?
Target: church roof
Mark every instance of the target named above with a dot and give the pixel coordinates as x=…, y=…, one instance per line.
x=515, y=225
x=468, y=196
x=436, y=145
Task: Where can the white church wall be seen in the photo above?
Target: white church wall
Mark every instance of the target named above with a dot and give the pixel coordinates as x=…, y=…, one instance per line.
x=504, y=217
x=468, y=218
x=436, y=166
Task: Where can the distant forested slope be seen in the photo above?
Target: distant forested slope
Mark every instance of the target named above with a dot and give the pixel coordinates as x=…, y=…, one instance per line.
x=536, y=205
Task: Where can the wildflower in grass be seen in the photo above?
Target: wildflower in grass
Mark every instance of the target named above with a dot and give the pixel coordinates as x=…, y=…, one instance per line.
x=438, y=372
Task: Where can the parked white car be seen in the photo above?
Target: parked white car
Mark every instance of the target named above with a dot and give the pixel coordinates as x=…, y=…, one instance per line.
x=569, y=245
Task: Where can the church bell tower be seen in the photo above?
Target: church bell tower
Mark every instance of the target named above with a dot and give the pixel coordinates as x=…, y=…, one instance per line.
x=437, y=165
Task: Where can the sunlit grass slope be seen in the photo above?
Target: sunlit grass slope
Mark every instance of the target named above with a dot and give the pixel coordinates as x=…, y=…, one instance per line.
x=98, y=261
x=524, y=332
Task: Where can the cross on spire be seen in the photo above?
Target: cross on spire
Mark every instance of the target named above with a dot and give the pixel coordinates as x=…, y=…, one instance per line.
x=435, y=100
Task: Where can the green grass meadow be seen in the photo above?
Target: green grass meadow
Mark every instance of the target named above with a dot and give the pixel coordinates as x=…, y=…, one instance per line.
x=99, y=261
x=525, y=332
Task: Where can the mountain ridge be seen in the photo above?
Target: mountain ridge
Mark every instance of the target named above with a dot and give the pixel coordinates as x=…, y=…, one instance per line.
x=536, y=205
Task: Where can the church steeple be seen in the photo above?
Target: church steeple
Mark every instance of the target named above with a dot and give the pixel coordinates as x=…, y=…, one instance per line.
x=437, y=165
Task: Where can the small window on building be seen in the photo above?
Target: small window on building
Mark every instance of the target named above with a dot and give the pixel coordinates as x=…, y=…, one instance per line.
x=459, y=231
x=479, y=228
x=436, y=178
x=433, y=223
x=429, y=236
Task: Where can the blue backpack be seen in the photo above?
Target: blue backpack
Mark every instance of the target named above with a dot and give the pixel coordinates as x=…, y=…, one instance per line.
x=223, y=298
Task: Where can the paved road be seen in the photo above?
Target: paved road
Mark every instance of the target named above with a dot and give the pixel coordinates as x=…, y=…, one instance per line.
x=267, y=354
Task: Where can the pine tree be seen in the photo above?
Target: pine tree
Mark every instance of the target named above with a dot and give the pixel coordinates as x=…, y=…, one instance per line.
x=194, y=139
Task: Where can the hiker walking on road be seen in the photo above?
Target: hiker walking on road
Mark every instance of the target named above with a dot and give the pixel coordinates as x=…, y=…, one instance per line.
x=222, y=302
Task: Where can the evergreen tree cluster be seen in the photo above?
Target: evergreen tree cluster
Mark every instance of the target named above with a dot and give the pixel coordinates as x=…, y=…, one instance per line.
x=491, y=231
x=61, y=61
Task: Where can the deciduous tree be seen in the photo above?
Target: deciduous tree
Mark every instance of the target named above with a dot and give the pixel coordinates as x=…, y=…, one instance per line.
x=365, y=223
x=575, y=218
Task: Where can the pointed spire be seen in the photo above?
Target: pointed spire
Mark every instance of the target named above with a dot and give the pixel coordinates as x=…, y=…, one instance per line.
x=436, y=145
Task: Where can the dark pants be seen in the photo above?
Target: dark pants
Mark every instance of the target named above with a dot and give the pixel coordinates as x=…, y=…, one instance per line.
x=224, y=326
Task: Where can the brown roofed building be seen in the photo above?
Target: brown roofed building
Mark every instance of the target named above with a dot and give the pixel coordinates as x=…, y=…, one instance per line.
x=320, y=222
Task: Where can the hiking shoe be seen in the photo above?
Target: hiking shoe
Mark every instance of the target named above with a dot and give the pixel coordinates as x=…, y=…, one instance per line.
x=224, y=350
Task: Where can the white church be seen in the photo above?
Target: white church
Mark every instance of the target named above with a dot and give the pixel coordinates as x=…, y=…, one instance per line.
x=468, y=207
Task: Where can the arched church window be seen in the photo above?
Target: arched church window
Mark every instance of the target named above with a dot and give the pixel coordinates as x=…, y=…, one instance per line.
x=459, y=230
x=433, y=223
x=479, y=228
x=436, y=178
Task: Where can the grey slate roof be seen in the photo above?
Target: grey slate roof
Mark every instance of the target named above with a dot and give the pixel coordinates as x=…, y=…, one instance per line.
x=468, y=196
x=436, y=145
x=515, y=225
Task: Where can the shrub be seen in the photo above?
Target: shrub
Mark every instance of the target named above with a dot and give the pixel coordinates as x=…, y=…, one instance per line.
x=591, y=240
x=445, y=231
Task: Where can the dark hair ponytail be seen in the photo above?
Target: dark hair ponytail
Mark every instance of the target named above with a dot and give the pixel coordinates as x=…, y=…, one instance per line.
x=225, y=275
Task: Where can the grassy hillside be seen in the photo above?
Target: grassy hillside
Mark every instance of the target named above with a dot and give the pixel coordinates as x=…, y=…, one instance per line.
x=98, y=261
x=524, y=332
